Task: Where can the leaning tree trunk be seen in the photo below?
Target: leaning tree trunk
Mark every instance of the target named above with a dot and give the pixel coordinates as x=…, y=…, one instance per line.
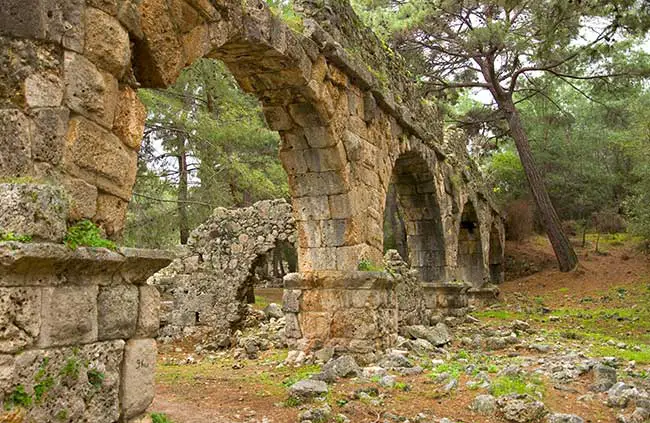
x=183, y=223
x=566, y=257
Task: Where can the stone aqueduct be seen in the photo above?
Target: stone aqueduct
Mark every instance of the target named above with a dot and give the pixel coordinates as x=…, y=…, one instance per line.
x=350, y=124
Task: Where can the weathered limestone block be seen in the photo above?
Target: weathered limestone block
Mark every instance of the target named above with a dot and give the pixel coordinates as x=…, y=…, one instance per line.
x=43, y=89
x=149, y=312
x=83, y=199
x=129, y=118
x=69, y=316
x=117, y=311
x=354, y=312
x=137, y=390
x=60, y=21
x=111, y=214
x=20, y=318
x=99, y=157
x=36, y=210
x=159, y=57
x=107, y=43
x=71, y=384
x=48, y=131
x=15, y=144
x=89, y=91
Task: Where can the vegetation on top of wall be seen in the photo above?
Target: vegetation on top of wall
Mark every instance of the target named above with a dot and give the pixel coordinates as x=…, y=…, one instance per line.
x=366, y=265
x=10, y=236
x=86, y=234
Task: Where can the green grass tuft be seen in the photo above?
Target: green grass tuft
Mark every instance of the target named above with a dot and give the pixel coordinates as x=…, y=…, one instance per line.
x=86, y=234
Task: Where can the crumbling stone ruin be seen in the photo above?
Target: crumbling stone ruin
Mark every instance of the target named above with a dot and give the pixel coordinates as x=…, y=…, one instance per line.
x=350, y=123
x=207, y=288
x=77, y=332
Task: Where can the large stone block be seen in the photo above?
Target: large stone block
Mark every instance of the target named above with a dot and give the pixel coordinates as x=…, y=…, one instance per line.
x=129, y=118
x=15, y=144
x=44, y=89
x=149, y=311
x=71, y=384
x=117, y=311
x=89, y=91
x=37, y=210
x=22, y=60
x=107, y=43
x=83, y=199
x=137, y=389
x=111, y=214
x=59, y=21
x=159, y=57
x=20, y=318
x=69, y=316
x=48, y=134
x=99, y=157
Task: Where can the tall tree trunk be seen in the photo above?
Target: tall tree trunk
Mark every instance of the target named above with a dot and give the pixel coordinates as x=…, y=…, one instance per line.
x=183, y=224
x=566, y=257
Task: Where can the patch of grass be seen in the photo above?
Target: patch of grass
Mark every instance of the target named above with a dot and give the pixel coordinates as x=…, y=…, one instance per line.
x=504, y=385
x=300, y=373
x=18, y=398
x=10, y=236
x=366, y=265
x=261, y=302
x=160, y=418
x=44, y=381
x=564, y=290
x=71, y=368
x=497, y=314
x=292, y=402
x=453, y=368
x=62, y=414
x=95, y=378
x=402, y=386
x=86, y=234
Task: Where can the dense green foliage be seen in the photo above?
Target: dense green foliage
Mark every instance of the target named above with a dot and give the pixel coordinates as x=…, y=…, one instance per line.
x=573, y=71
x=86, y=234
x=230, y=157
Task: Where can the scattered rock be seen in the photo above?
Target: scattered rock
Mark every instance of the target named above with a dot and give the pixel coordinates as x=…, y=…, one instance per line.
x=604, y=378
x=564, y=418
x=521, y=408
x=388, y=381
x=437, y=335
x=344, y=366
x=308, y=388
x=273, y=311
x=484, y=404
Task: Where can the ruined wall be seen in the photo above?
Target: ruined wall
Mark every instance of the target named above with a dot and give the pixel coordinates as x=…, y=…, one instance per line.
x=206, y=289
x=76, y=333
x=344, y=107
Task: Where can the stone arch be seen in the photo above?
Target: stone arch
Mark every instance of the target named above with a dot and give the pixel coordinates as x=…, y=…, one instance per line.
x=469, y=259
x=496, y=253
x=419, y=205
x=210, y=285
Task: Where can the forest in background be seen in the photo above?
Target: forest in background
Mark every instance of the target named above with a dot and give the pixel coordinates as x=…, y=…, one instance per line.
x=206, y=142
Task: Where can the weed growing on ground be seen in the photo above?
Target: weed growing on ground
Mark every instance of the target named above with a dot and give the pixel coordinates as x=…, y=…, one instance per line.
x=18, y=398
x=504, y=385
x=160, y=418
x=86, y=234
x=301, y=373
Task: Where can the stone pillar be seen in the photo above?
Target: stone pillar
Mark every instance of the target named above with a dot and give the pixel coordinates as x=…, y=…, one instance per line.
x=447, y=298
x=77, y=332
x=353, y=312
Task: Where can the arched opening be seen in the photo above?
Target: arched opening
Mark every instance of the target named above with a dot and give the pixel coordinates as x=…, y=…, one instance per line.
x=470, y=250
x=412, y=220
x=496, y=255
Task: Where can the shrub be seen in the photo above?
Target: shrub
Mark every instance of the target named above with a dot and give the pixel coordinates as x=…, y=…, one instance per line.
x=86, y=234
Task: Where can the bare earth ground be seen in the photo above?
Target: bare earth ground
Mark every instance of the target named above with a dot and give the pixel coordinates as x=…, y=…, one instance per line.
x=605, y=302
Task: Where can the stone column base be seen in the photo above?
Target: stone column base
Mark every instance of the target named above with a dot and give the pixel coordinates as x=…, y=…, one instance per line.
x=479, y=297
x=353, y=312
x=446, y=298
x=78, y=343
